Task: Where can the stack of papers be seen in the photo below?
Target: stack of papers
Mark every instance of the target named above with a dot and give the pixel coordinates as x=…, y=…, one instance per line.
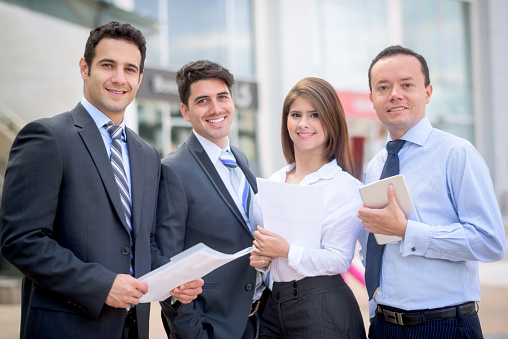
x=191, y=264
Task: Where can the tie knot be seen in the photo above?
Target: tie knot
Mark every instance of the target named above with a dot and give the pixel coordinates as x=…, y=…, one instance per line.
x=393, y=147
x=114, y=131
x=228, y=159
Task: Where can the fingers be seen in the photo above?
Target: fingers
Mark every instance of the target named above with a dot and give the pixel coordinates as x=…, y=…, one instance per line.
x=392, y=200
x=259, y=261
x=189, y=291
x=125, y=291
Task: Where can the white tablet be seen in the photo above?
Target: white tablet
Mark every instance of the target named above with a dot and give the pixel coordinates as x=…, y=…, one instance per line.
x=374, y=195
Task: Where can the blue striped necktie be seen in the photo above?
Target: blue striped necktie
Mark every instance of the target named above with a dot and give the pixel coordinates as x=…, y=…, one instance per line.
x=374, y=250
x=121, y=180
x=240, y=184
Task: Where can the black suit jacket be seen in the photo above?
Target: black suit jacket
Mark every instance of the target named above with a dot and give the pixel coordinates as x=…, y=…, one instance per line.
x=63, y=226
x=195, y=206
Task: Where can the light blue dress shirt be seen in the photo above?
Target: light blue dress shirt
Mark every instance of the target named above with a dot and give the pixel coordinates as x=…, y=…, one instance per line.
x=100, y=120
x=436, y=264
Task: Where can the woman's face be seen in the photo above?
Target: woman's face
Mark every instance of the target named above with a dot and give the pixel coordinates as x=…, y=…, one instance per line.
x=305, y=128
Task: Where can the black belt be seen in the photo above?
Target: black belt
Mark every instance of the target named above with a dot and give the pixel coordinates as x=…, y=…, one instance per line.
x=411, y=318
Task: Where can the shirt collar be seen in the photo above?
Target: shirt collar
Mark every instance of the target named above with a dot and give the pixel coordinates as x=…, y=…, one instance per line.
x=419, y=133
x=100, y=118
x=210, y=148
x=326, y=172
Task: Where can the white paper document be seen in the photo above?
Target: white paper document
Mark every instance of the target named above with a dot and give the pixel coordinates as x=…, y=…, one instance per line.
x=292, y=211
x=191, y=264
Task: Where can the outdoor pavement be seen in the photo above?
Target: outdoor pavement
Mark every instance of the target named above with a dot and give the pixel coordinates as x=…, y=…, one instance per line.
x=493, y=306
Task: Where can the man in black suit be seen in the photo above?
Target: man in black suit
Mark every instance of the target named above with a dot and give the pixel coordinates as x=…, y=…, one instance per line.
x=78, y=237
x=198, y=203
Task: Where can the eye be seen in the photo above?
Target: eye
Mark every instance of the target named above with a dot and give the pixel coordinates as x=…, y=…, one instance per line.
x=131, y=70
x=382, y=88
x=295, y=115
x=407, y=85
x=314, y=115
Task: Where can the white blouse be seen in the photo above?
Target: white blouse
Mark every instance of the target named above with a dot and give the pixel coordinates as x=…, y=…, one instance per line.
x=339, y=230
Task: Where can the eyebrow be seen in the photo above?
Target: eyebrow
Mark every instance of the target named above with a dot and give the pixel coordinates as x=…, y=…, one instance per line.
x=115, y=62
x=298, y=111
x=207, y=96
x=385, y=81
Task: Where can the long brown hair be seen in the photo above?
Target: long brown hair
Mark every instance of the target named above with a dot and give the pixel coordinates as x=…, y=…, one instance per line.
x=331, y=114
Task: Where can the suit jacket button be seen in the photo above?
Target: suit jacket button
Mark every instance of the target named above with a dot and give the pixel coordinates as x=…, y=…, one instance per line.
x=248, y=287
x=126, y=251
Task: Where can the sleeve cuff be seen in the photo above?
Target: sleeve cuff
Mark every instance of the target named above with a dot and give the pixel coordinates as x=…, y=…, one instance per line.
x=416, y=240
x=295, y=256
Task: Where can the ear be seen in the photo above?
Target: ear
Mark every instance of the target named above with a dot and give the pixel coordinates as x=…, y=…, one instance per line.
x=140, y=78
x=83, y=68
x=370, y=97
x=185, y=112
x=428, y=93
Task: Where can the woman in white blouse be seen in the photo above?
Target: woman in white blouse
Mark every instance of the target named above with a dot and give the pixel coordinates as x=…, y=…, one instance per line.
x=309, y=297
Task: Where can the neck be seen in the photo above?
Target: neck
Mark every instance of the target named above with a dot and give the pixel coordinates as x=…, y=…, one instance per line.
x=305, y=164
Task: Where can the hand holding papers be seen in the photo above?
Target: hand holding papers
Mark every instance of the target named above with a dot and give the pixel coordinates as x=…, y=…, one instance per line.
x=191, y=264
x=294, y=212
x=374, y=195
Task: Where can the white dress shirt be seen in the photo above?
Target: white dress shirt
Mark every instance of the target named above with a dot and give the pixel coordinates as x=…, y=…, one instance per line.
x=339, y=230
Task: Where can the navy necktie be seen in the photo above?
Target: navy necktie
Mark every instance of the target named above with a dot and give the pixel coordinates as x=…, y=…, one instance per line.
x=121, y=180
x=374, y=250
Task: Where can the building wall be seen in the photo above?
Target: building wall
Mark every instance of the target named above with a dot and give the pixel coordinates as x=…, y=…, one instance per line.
x=490, y=55
x=39, y=69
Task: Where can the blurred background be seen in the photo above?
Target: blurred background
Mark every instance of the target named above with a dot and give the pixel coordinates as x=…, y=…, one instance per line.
x=268, y=45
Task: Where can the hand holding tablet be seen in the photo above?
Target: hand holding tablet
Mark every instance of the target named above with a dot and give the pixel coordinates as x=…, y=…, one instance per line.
x=374, y=195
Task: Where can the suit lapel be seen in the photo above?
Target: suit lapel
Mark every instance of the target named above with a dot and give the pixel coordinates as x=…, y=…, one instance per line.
x=203, y=159
x=93, y=141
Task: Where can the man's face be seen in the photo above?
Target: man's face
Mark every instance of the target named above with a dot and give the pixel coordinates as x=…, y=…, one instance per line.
x=210, y=110
x=398, y=93
x=114, y=77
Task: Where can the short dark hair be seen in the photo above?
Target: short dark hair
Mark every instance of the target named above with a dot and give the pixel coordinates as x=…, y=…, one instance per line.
x=397, y=49
x=118, y=31
x=199, y=70
x=332, y=116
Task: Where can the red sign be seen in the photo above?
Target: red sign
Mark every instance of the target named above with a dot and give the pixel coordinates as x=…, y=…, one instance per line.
x=357, y=105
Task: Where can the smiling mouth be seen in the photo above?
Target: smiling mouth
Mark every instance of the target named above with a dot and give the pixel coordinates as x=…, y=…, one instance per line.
x=116, y=92
x=398, y=109
x=216, y=121
x=306, y=134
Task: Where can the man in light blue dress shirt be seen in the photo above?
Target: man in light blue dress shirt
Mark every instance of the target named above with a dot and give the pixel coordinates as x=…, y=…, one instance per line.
x=429, y=281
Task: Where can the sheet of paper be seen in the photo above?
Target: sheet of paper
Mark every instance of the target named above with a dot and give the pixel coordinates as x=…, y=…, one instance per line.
x=292, y=211
x=191, y=264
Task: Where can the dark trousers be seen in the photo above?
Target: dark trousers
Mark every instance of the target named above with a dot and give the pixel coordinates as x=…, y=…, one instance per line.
x=314, y=307
x=464, y=326
x=130, y=327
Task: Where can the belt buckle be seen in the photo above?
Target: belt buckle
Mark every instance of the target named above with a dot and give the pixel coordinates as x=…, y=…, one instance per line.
x=254, y=307
x=393, y=317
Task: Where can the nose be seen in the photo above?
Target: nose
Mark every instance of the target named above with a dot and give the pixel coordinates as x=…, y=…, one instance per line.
x=215, y=106
x=395, y=94
x=304, y=122
x=119, y=76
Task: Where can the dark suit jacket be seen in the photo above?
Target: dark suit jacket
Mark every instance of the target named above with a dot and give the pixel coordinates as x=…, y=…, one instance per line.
x=63, y=226
x=195, y=206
